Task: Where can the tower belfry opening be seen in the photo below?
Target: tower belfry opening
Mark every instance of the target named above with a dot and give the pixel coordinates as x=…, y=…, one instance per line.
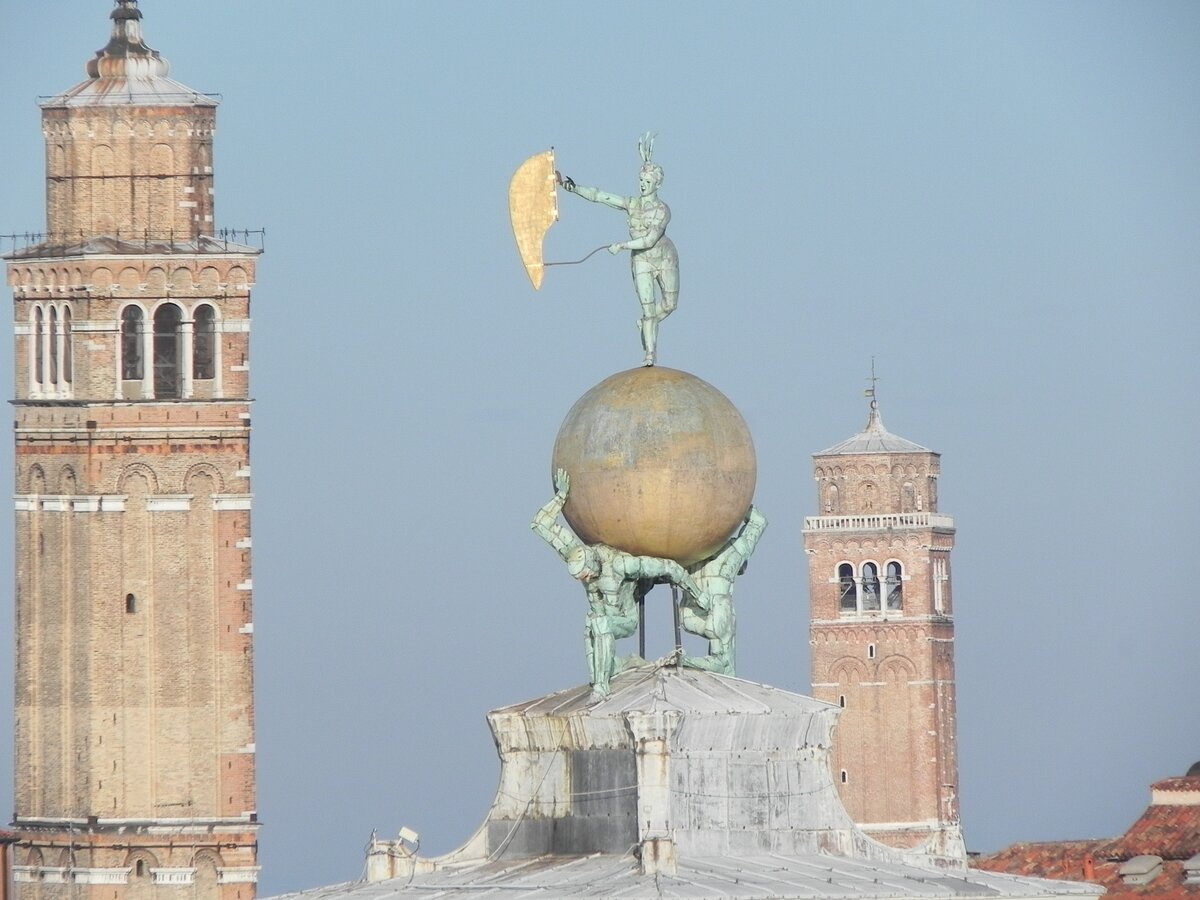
x=135, y=748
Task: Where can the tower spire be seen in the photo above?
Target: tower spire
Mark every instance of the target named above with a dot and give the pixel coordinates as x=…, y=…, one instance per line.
x=874, y=419
x=127, y=55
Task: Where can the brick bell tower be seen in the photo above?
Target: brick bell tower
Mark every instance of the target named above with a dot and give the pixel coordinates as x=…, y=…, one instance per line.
x=882, y=636
x=135, y=773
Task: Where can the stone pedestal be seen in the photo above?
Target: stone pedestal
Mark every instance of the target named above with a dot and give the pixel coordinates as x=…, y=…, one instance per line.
x=676, y=762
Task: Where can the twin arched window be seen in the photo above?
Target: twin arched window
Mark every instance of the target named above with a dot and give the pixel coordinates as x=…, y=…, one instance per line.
x=862, y=590
x=169, y=347
x=52, y=363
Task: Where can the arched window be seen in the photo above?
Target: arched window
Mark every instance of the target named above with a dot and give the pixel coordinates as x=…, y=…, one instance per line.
x=908, y=498
x=68, y=358
x=39, y=347
x=895, y=587
x=168, y=343
x=130, y=603
x=847, y=590
x=53, y=345
x=204, y=343
x=870, y=587
x=832, y=507
x=131, y=344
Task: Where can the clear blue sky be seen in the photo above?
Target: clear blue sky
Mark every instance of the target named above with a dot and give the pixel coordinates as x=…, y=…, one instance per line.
x=998, y=201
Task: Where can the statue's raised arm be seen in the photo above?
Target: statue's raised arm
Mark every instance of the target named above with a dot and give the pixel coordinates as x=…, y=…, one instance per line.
x=653, y=257
x=595, y=195
x=545, y=522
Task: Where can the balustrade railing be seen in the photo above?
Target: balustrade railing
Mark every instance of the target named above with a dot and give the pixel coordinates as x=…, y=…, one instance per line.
x=877, y=522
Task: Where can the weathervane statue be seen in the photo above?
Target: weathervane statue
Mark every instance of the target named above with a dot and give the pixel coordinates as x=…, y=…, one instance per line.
x=653, y=469
x=653, y=257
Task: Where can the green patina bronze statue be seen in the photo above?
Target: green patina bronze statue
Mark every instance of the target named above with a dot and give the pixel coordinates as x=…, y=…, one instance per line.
x=613, y=580
x=654, y=259
x=716, y=621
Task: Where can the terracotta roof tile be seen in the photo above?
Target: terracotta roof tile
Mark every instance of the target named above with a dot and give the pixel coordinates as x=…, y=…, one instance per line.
x=1172, y=832
x=1179, y=783
x=1066, y=859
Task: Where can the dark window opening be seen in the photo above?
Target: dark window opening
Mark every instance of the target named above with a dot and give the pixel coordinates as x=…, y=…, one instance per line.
x=204, y=343
x=847, y=599
x=130, y=603
x=39, y=349
x=53, y=345
x=870, y=651
x=895, y=587
x=870, y=587
x=842, y=701
x=168, y=374
x=845, y=776
x=68, y=363
x=131, y=344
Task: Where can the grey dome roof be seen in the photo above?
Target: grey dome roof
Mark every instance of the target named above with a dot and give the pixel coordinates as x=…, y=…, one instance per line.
x=874, y=438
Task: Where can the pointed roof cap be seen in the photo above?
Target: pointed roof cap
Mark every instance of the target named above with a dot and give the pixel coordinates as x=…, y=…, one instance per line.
x=127, y=54
x=128, y=72
x=874, y=438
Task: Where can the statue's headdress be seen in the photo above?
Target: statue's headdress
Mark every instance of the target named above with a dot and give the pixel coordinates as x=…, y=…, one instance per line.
x=646, y=151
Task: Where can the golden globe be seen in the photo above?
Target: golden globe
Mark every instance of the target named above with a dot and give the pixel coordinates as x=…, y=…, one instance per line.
x=661, y=464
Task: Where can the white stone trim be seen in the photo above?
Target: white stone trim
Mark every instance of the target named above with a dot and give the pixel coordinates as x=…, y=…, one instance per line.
x=25, y=874
x=1175, y=797
x=232, y=326
x=248, y=748
x=100, y=876
x=85, y=504
x=174, y=875
x=248, y=628
x=55, y=504
x=21, y=329
x=232, y=501
x=244, y=367
x=54, y=874
x=25, y=503
x=238, y=874
x=247, y=585
x=102, y=326
x=169, y=503
x=244, y=544
x=243, y=472
x=113, y=502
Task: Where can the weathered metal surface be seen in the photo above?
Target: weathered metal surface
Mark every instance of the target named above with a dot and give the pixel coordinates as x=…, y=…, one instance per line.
x=128, y=72
x=874, y=438
x=741, y=877
x=721, y=788
x=661, y=464
x=532, y=209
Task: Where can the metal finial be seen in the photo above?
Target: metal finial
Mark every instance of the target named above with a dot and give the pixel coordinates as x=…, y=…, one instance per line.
x=874, y=420
x=126, y=9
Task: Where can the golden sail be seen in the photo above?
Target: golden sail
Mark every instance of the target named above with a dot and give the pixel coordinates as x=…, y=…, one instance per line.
x=533, y=208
